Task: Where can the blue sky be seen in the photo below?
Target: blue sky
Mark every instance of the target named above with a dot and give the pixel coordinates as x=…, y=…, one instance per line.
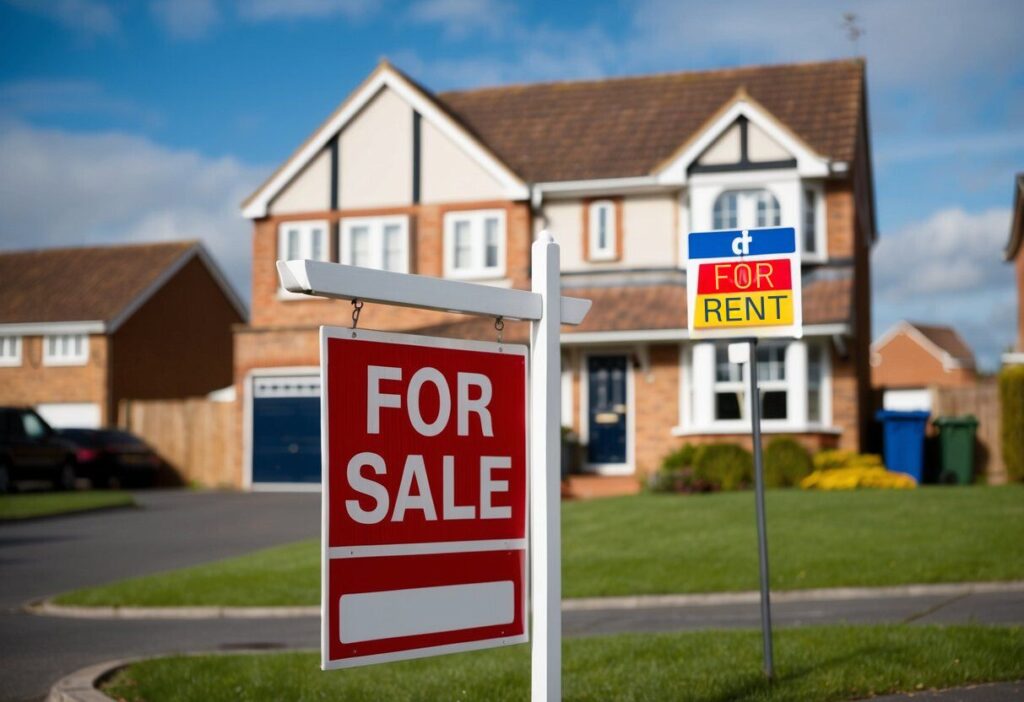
x=143, y=120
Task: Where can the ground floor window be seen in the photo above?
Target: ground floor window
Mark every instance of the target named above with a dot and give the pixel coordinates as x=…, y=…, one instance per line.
x=792, y=379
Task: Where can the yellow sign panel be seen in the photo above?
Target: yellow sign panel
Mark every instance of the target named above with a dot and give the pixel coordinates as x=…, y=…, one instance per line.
x=752, y=309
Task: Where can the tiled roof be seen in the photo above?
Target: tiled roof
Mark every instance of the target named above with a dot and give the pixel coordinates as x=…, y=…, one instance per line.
x=947, y=339
x=620, y=127
x=80, y=284
x=654, y=307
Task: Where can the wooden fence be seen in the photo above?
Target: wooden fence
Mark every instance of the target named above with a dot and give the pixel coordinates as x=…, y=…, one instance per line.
x=981, y=400
x=198, y=438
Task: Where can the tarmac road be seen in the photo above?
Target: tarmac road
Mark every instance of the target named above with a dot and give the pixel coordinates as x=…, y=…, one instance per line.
x=174, y=529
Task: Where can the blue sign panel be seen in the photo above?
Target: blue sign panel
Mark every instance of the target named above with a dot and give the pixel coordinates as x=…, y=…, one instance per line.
x=742, y=242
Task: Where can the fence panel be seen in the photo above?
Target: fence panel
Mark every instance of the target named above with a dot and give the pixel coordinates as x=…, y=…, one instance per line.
x=198, y=438
x=981, y=400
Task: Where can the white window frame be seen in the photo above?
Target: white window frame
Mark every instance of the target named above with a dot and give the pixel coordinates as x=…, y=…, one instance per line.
x=68, y=356
x=476, y=219
x=698, y=385
x=747, y=201
x=10, y=350
x=376, y=226
x=306, y=228
x=820, y=254
x=595, y=252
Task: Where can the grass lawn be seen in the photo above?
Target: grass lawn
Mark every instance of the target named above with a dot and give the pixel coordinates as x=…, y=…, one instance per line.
x=44, y=504
x=651, y=544
x=819, y=663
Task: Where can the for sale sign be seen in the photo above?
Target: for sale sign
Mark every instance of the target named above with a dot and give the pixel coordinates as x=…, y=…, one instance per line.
x=424, y=502
x=743, y=283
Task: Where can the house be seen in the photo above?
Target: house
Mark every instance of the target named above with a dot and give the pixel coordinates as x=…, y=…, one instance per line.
x=1014, y=255
x=911, y=358
x=83, y=328
x=458, y=184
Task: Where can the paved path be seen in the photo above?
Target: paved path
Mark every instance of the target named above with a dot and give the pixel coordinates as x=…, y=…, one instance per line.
x=42, y=558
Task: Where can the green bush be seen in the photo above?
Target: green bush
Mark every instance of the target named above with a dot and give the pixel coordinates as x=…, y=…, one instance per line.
x=724, y=466
x=786, y=463
x=682, y=457
x=830, y=459
x=677, y=474
x=1011, y=397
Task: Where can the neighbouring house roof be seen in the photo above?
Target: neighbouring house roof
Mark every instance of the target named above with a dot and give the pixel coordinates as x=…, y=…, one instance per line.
x=940, y=340
x=621, y=127
x=637, y=308
x=95, y=284
x=1017, y=227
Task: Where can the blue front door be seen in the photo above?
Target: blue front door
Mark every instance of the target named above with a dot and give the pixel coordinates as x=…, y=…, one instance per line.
x=606, y=395
x=286, y=429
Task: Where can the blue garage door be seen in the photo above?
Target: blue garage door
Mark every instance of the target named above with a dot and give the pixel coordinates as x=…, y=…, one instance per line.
x=286, y=429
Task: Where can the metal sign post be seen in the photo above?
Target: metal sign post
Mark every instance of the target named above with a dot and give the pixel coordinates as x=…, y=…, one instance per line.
x=762, y=531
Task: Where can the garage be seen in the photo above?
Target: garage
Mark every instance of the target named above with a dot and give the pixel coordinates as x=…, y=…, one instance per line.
x=285, y=431
x=70, y=415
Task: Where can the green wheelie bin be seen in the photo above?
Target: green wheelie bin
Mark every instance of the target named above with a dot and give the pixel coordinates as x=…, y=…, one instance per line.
x=956, y=448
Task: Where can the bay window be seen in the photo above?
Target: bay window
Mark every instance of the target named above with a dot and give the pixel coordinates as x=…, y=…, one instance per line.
x=746, y=209
x=474, y=244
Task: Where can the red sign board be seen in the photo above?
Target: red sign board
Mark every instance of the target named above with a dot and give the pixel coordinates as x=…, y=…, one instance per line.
x=424, y=508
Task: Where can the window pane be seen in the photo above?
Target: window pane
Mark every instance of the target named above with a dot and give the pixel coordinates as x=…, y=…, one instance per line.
x=728, y=405
x=393, y=248
x=33, y=428
x=317, y=253
x=491, y=229
x=725, y=211
x=726, y=372
x=771, y=362
x=78, y=344
x=810, y=222
x=463, y=246
x=773, y=404
x=360, y=245
x=814, y=379
x=602, y=228
x=768, y=213
x=294, y=244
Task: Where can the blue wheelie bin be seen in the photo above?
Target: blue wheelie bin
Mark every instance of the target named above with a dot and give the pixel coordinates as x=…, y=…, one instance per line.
x=903, y=441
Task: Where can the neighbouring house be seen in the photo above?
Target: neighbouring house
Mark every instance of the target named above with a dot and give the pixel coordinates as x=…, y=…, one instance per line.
x=458, y=184
x=83, y=328
x=911, y=359
x=1014, y=255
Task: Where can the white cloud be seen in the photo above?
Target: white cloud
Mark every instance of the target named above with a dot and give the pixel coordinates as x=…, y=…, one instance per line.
x=46, y=97
x=265, y=10
x=185, y=19
x=949, y=269
x=462, y=18
x=87, y=17
x=60, y=188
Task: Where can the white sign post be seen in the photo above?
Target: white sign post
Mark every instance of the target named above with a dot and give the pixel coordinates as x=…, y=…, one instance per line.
x=744, y=284
x=546, y=309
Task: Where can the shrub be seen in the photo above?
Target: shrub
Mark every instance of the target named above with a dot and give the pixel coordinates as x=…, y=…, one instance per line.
x=677, y=473
x=857, y=477
x=724, y=466
x=829, y=460
x=682, y=457
x=1011, y=397
x=786, y=463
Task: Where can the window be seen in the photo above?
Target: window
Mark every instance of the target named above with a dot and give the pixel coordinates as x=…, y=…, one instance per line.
x=376, y=242
x=815, y=381
x=746, y=209
x=771, y=380
x=65, y=349
x=10, y=350
x=298, y=240
x=810, y=233
x=474, y=244
x=602, y=232
x=730, y=393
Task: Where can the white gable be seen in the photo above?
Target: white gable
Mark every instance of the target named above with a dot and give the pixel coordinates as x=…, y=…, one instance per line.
x=375, y=151
x=309, y=191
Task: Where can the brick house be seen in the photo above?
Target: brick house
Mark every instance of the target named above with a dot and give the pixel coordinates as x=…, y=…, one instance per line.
x=458, y=184
x=84, y=328
x=910, y=358
x=1014, y=255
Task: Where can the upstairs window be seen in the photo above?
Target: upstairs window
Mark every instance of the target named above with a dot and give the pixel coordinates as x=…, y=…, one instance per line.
x=10, y=350
x=474, y=245
x=602, y=234
x=376, y=242
x=746, y=209
x=65, y=349
x=298, y=240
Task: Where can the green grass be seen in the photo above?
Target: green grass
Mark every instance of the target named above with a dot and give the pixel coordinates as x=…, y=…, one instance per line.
x=44, y=504
x=819, y=663
x=650, y=544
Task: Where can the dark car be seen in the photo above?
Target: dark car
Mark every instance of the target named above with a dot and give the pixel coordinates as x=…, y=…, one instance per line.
x=31, y=451
x=113, y=458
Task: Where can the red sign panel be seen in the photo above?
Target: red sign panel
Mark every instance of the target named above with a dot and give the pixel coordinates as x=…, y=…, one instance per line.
x=424, y=445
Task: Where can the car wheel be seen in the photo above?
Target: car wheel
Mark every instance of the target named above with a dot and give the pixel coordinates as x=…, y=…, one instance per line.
x=66, y=478
x=5, y=479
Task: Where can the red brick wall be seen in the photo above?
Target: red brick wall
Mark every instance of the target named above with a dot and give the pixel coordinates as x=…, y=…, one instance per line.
x=903, y=362
x=32, y=383
x=657, y=407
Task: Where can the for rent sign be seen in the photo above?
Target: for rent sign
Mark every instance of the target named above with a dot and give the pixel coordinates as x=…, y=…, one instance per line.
x=424, y=445
x=743, y=283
